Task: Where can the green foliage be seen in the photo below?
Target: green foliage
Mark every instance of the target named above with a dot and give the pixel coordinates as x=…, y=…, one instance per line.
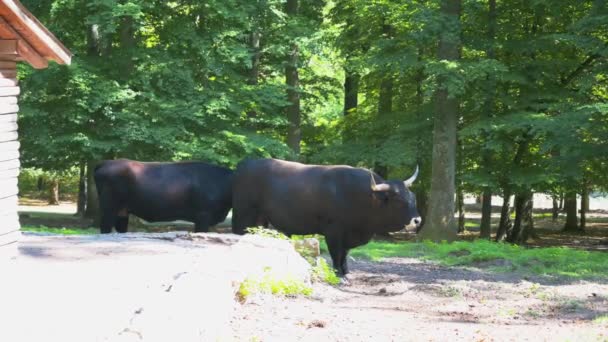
x=322, y=271
x=269, y=283
x=265, y=232
x=60, y=231
x=29, y=177
x=554, y=261
x=158, y=80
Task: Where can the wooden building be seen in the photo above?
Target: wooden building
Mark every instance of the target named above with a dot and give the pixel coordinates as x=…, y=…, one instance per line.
x=22, y=39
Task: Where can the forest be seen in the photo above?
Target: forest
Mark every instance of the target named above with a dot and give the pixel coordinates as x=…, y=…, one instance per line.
x=487, y=97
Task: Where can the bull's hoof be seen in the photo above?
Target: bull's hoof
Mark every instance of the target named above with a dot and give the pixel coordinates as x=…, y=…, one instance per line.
x=344, y=281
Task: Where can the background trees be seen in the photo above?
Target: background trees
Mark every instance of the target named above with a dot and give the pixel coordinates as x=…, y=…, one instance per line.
x=521, y=85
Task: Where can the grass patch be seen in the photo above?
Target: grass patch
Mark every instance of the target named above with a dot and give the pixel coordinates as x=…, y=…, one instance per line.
x=268, y=283
x=603, y=319
x=325, y=273
x=60, y=231
x=553, y=261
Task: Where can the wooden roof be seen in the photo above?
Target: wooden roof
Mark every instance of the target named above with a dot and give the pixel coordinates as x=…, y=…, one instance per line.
x=26, y=39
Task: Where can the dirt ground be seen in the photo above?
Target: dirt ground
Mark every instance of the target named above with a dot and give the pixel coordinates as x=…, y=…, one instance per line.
x=403, y=299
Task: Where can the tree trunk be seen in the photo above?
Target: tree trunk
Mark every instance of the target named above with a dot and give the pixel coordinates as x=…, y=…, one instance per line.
x=422, y=186
x=523, y=225
x=385, y=106
x=570, y=207
x=441, y=225
x=555, y=211
x=461, y=212
x=561, y=201
x=422, y=204
x=584, y=207
x=127, y=45
x=54, y=192
x=351, y=91
x=40, y=184
x=294, y=133
x=505, y=215
x=485, y=229
x=92, y=210
x=254, y=72
x=82, y=190
x=93, y=40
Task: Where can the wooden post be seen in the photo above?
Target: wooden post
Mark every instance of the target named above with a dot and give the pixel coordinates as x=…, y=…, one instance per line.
x=9, y=157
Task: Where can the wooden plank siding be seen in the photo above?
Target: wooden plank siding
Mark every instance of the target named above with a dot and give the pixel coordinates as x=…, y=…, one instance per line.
x=9, y=158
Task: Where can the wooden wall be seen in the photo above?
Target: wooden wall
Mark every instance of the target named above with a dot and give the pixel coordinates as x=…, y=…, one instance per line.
x=9, y=159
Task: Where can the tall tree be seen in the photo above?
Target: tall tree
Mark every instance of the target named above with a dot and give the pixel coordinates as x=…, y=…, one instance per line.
x=294, y=133
x=440, y=225
x=485, y=229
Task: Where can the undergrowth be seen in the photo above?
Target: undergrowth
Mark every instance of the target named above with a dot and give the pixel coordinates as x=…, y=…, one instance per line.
x=60, y=231
x=551, y=261
x=269, y=283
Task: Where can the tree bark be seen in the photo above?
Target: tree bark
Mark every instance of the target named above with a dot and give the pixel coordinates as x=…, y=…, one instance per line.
x=93, y=40
x=54, y=192
x=584, y=207
x=254, y=72
x=485, y=229
x=422, y=186
x=571, y=215
x=82, y=190
x=351, y=91
x=523, y=225
x=127, y=45
x=505, y=215
x=555, y=211
x=441, y=225
x=294, y=133
x=385, y=106
x=461, y=212
x=40, y=184
x=92, y=210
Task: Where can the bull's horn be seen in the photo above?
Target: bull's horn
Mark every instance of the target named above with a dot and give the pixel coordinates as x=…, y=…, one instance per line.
x=377, y=187
x=408, y=182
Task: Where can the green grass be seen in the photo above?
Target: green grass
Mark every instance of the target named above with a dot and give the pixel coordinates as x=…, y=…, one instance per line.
x=322, y=271
x=553, y=261
x=603, y=319
x=268, y=283
x=60, y=231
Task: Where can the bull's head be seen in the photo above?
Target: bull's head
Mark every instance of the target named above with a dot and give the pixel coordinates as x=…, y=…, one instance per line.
x=399, y=200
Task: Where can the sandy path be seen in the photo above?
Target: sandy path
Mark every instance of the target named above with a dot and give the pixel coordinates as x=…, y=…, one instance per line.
x=406, y=300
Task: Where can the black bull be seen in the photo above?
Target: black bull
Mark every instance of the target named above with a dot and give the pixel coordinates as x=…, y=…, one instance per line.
x=190, y=191
x=347, y=205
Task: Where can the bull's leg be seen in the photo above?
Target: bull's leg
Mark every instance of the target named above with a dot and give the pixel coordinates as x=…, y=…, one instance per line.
x=122, y=224
x=202, y=223
x=107, y=222
x=345, y=261
x=337, y=253
x=243, y=219
x=108, y=212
